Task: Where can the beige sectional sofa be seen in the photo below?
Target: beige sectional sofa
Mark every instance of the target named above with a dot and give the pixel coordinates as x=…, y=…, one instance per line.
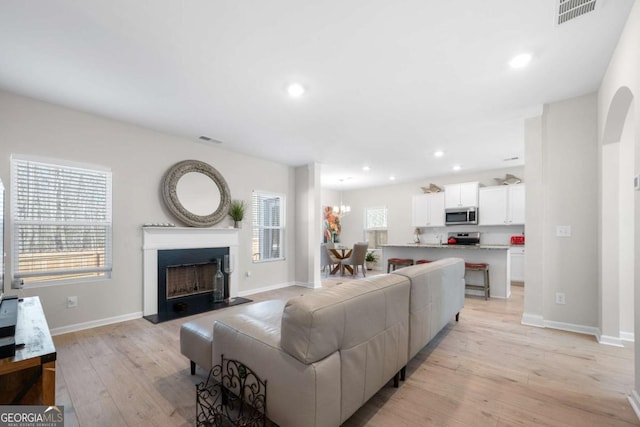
x=325, y=354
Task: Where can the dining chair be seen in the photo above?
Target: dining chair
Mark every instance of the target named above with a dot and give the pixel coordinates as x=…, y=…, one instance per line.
x=357, y=258
x=327, y=259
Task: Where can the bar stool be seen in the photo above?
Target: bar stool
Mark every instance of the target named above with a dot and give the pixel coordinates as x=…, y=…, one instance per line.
x=398, y=262
x=423, y=261
x=479, y=266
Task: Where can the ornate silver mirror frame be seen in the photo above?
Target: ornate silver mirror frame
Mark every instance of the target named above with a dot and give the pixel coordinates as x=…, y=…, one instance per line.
x=170, y=196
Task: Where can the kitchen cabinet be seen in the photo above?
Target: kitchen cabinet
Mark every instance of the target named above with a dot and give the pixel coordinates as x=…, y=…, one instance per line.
x=517, y=264
x=428, y=210
x=462, y=195
x=501, y=205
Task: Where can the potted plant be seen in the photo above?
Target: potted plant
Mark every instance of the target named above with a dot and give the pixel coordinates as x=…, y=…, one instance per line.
x=236, y=212
x=370, y=259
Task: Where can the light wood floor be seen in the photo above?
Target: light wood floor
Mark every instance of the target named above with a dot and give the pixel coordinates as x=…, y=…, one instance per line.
x=486, y=370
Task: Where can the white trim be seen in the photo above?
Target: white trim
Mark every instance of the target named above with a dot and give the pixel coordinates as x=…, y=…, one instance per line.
x=160, y=238
x=532, y=320
x=571, y=327
x=634, y=400
x=273, y=288
x=60, y=162
x=609, y=340
x=538, y=321
x=95, y=323
x=628, y=336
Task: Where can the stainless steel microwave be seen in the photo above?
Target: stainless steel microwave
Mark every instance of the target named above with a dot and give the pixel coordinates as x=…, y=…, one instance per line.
x=458, y=216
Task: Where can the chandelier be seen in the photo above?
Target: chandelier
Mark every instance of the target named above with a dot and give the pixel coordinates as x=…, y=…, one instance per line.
x=343, y=209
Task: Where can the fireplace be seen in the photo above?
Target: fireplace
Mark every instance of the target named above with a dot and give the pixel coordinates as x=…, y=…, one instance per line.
x=185, y=280
x=179, y=266
x=190, y=279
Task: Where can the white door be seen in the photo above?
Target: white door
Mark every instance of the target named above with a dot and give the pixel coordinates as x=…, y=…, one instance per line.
x=469, y=194
x=436, y=209
x=516, y=204
x=493, y=206
x=517, y=264
x=420, y=210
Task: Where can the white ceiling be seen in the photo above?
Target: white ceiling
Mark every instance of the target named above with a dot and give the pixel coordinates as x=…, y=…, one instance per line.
x=388, y=82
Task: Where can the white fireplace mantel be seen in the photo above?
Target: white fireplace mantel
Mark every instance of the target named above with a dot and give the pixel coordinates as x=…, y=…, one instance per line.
x=162, y=238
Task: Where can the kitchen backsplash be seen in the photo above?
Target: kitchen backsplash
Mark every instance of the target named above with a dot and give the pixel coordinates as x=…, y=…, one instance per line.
x=497, y=235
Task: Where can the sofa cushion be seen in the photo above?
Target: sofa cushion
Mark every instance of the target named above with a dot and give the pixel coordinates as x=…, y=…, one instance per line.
x=344, y=316
x=196, y=336
x=437, y=293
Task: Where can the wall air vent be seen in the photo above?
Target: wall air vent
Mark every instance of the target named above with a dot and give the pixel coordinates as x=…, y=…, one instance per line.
x=570, y=9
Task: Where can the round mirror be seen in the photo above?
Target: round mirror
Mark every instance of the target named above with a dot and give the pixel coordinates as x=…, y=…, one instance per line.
x=196, y=193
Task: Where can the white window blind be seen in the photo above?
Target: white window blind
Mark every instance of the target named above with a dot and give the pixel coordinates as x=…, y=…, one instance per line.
x=268, y=226
x=375, y=218
x=62, y=221
x=375, y=226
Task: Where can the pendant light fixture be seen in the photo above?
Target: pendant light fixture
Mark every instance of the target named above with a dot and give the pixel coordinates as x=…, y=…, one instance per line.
x=343, y=209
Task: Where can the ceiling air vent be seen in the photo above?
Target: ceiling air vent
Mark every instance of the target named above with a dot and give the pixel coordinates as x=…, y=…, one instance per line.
x=570, y=9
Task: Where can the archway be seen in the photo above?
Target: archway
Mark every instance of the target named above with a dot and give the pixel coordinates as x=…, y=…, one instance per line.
x=617, y=222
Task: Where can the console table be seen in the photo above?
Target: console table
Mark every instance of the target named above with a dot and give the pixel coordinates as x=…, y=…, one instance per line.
x=29, y=377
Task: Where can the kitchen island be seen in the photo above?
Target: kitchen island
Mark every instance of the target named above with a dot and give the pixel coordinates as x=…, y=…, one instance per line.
x=497, y=256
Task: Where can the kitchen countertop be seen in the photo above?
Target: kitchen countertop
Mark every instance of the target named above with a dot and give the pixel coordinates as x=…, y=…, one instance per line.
x=443, y=246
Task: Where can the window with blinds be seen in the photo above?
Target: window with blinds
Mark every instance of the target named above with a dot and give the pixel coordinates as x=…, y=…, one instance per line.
x=268, y=226
x=61, y=219
x=375, y=226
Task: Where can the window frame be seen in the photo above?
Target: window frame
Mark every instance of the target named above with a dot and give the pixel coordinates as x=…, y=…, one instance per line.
x=368, y=229
x=14, y=225
x=256, y=228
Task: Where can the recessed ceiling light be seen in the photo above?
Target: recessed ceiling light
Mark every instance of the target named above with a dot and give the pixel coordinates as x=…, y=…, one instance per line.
x=295, y=90
x=438, y=153
x=520, y=61
x=457, y=167
x=392, y=178
x=366, y=168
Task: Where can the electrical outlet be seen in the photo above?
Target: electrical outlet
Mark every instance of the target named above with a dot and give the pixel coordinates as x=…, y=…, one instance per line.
x=560, y=298
x=17, y=284
x=563, y=231
x=72, y=302
x=248, y=274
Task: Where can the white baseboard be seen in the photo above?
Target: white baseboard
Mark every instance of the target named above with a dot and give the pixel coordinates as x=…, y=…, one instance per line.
x=628, y=336
x=571, y=327
x=539, y=322
x=634, y=400
x=532, y=320
x=95, y=323
x=273, y=288
x=609, y=340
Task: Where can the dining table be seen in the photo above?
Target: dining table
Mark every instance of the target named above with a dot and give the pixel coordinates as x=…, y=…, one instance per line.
x=341, y=253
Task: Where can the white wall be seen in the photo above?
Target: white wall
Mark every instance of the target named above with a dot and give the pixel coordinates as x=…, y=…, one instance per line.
x=308, y=221
x=535, y=210
x=623, y=78
x=138, y=158
x=564, y=192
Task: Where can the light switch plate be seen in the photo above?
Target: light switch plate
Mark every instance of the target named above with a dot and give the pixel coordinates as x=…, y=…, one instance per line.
x=563, y=230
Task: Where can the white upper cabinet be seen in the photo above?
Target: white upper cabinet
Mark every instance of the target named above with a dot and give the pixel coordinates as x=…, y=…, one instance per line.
x=463, y=195
x=428, y=210
x=501, y=205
